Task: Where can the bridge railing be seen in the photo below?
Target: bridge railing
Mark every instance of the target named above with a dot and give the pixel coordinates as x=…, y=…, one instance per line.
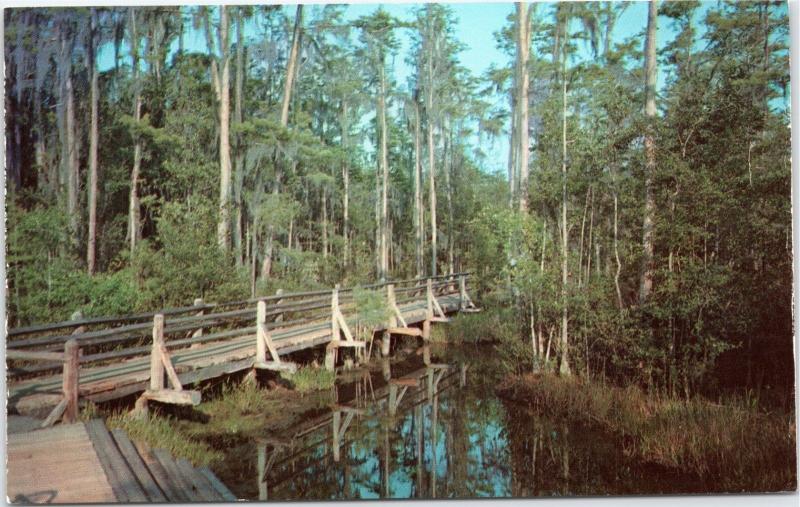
x=129, y=336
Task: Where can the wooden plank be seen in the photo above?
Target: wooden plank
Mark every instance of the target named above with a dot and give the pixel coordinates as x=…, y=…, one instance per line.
x=171, y=490
x=200, y=484
x=55, y=414
x=408, y=331
x=223, y=491
x=347, y=343
x=34, y=355
x=73, y=474
x=136, y=464
x=409, y=382
x=174, y=397
x=167, y=362
x=117, y=471
x=175, y=476
x=275, y=366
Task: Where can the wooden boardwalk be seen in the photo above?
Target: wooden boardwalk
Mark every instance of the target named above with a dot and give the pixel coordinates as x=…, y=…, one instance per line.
x=312, y=319
x=85, y=463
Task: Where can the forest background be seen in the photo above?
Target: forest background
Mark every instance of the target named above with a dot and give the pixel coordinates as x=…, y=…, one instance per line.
x=626, y=195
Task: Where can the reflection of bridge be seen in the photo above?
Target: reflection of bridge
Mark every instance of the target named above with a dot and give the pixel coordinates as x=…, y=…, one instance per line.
x=329, y=431
x=112, y=357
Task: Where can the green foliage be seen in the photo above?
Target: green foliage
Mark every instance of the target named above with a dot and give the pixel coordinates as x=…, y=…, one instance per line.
x=189, y=263
x=372, y=307
x=309, y=378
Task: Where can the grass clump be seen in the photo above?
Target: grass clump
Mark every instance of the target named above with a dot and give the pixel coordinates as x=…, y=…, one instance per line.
x=243, y=398
x=308, y=378
x=160, y=432
x=734, y=446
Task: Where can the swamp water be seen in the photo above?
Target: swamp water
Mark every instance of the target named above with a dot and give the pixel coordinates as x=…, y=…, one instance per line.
x=407, y=430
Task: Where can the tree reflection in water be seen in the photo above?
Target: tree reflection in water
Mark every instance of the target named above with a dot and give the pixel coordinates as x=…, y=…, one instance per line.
x=437, y=430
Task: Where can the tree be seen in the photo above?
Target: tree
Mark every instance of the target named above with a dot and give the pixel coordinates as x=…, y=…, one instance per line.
x=91, y=64
x=523, y=50
x=377, y=35
x=134, y=211
x=650, y=70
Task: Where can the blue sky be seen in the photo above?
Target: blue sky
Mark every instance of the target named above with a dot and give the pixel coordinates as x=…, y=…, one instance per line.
x=475, y=27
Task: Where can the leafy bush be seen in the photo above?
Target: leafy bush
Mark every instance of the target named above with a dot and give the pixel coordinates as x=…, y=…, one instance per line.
x=189, y=263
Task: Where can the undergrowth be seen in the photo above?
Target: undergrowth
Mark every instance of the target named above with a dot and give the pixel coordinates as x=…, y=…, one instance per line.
x=309, y=378
x=734, y=445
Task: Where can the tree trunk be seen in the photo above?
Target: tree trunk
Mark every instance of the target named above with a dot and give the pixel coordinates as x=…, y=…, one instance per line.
x=346, y=181
x=238, y=116
x=448, y=167
x=523, y=49
x=565, y=368
x=291, y=65
x=223, y=228
x=71, y=145
x=512, y=149
x=324, y=223
x=646, y=283
x=580, y=243
x=419, y=219
x=616, y=255
x=384, y=223
x=432, y=185
x=133, y=201
x=93, y=139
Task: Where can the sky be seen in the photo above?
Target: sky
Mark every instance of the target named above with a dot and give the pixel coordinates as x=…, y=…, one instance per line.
x=475, y=27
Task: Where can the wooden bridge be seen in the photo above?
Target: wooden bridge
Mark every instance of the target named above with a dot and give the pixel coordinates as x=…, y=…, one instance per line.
x=158, y=354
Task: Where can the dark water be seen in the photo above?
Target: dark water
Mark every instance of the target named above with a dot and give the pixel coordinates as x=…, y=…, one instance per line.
x=411, y=430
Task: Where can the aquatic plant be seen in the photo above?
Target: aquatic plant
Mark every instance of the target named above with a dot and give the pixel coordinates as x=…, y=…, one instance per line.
x=735, y=445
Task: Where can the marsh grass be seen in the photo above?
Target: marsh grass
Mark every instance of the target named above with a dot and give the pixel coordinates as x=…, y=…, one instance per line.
x=308, y=378
x=162, y=432
x=732, y=446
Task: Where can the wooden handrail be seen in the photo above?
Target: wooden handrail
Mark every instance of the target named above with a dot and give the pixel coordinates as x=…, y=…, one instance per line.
x=312, y=310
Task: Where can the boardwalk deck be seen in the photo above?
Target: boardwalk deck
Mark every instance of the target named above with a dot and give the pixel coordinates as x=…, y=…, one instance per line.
x=93, y=465
x=200, y=362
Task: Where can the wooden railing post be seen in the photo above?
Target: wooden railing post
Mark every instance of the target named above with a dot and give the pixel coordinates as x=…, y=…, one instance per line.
x=156, y=363
x=279, y=317
x=199, y=331
x=70, y=380
x=330, y=350
x=386, y=344
x=462, y=292
x=426, y=324
x=261, y=331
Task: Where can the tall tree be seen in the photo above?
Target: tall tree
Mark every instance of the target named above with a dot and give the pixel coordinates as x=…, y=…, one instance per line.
x=650, y=70
x=134, y=211
x=523, y=50
x=377, y=34
x=91, y=64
